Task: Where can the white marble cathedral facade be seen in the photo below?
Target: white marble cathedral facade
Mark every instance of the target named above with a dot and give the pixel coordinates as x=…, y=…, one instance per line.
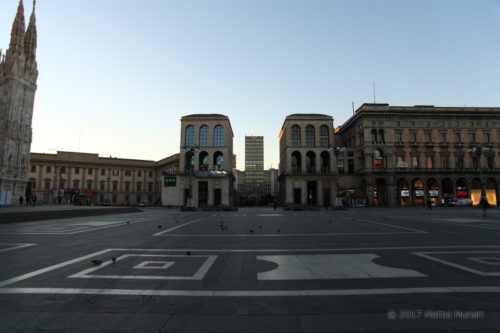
x=18, y=76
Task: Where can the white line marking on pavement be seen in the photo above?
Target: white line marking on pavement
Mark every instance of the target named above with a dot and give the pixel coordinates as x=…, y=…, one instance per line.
x=177, y=227
x=50, y=268
x=428, y=255
x=200, y=273
x=253, y=293
x=394, y=226
x=293, y=235
x=15, y=246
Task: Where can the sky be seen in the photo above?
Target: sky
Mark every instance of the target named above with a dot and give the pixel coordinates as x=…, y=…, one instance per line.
x=116, y=76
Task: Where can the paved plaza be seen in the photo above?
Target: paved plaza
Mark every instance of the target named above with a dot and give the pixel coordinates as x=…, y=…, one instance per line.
x=253, y=270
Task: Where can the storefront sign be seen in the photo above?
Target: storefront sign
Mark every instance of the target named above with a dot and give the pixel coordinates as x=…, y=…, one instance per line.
x=170, y=181
x=419, y=193
x=405, y=193
x=434, y=193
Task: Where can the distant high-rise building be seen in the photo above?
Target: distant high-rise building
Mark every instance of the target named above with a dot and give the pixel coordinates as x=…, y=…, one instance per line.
x=18, y=75
x=254, y=166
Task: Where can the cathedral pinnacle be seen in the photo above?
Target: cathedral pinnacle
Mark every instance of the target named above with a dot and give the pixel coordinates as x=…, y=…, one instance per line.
x=17, y=32
x=31, y=36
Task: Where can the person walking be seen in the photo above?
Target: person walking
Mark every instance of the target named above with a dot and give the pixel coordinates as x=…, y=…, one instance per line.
x=33, y=199
x=484, y=204
x=21, y=199
x=274, y=205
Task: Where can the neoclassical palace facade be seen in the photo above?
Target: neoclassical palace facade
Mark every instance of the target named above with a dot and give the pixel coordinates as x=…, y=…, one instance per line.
x=392, y=156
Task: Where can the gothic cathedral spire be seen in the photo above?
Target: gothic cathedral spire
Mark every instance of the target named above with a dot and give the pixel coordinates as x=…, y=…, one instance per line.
x=31, y=36
x=17, y=33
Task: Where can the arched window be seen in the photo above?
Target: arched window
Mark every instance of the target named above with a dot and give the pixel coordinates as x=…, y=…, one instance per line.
x=295, y=136
x=189, y=136
x=374, y=136
x=381, y=136
x=218, y=161
x=378, y=159
x=310, y=136
x=460, y=162
x=189, y=161
x=325, y=162
x=203, y=161
x=204, y=136
x=311, y=162
x=324, y=136
x=296, y=162
x=218, y=136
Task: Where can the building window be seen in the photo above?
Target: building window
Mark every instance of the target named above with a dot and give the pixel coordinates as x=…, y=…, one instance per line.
x=489, y=161
x=116, y=172
x=487, y=137
x=115, y=185
x=378, y=159
x=218, y=161
x=46, y=184
x=203, y=160
x=77, y=171
x=113, y=198
x=62, y=169
x=139, y=186
x=398, y=123
x=89, y=184
x=413, y=137
x=414, y=162
x=103, y=172
x=189, y=165
x=150, y=174
x=128, y=173
x=374, y=136
x=218, y=136
x=442, y=137
x=325, y=162
x=127, y=186
x=324, y=136
x=204, y=136
x=460, y=162
x=311, y=162
x=90, y=171
x=350, y=166
x=458, y=137
x=150, y=187
x=189, y=136
x=139, y=173
x=445, y=163
x=48, y=169
x=381, y=136
x=310, y=136
x=428, y=124
x=472, y=137
x=101, y=186
x=76, y=184
x=296, y=136
x=430, y=162
x=296, y=162
x=340, y=166
x=33, y=168
x=428, y=137
x=412, y=123
x=33, y=183
x=399, y=137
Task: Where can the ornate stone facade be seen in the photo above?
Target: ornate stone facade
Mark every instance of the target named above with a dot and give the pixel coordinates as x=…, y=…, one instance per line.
x=18, y=76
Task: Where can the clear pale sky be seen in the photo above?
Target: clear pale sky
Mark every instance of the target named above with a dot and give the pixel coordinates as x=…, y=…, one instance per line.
x=122, y=73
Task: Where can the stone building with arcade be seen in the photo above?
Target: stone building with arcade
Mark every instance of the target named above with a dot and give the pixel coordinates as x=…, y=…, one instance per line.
x=407, y=155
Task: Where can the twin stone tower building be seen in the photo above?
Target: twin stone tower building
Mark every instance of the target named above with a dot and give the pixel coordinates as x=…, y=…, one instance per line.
x=18, y=76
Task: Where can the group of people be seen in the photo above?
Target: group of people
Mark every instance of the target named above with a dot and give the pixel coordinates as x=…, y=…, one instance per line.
x=483, y=203
x=29, y=200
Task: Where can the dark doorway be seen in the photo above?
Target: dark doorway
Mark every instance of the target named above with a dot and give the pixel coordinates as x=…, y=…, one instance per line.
x=312, y=196
x=186, y=196
x=297, y=196
x=202, y=193
x=326, y=197
x=217, y=196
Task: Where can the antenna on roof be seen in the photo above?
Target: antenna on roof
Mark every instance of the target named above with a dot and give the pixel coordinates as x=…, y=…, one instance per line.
x=374, y=99
x=352, y=107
